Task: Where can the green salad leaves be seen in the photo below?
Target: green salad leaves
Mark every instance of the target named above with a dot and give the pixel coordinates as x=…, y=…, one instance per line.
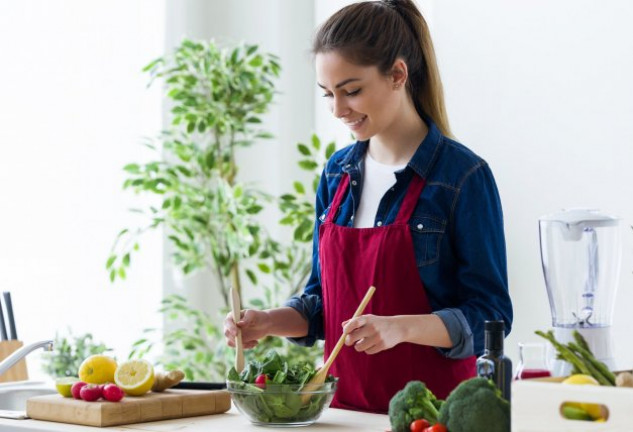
x=269, y=391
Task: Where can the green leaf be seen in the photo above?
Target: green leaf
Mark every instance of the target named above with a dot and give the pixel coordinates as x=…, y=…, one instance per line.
x=257, y=61
x=264, y=268
x=257, y=303
x=299, y=188
x=152, y=64
x=251, y=275
x=126, y=260
x=132, y=168
x=254, y=209
x=251, y=49
x=308, y=165
x=303, y=149
x=110, y=261
x=288, y=220
x=330, y=149
x=210, y=159
x=316, y=142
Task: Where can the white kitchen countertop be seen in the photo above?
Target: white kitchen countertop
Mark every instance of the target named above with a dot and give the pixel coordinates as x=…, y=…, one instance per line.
x=331, y=420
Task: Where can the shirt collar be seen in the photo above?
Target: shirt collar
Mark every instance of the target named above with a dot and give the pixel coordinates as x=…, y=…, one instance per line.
x=422, y=160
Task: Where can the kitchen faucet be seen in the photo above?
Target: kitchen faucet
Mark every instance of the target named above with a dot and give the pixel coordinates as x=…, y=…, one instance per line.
x=18, y=355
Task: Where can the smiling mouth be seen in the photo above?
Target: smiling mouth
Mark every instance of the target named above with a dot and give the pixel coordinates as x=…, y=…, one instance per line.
x=356, y=123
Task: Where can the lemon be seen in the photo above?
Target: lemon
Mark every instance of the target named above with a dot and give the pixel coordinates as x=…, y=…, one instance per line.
x=581, y=379
x=97, y=369
x=135, y=377
x=64, y=384
x=594, y=410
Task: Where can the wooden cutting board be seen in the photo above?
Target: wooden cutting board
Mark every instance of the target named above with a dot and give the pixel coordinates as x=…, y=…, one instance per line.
x=149, y=407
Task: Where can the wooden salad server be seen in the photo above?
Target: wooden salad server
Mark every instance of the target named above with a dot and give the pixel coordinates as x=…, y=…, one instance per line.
x=318, y=379
x=239, y=349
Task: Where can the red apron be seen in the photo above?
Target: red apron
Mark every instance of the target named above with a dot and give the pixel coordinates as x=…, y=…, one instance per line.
x=353, y=259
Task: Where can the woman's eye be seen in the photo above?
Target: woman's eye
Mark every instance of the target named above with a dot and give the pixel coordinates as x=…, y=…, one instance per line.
x=352, y=93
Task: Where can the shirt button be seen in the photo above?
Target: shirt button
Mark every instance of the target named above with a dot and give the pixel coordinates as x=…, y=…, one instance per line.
x=420, y=226
x=354, y=182
x=379, y=223
x=352, y=218
x=348, y=165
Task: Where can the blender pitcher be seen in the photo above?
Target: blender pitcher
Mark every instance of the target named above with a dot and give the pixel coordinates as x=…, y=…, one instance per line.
x=581, y=254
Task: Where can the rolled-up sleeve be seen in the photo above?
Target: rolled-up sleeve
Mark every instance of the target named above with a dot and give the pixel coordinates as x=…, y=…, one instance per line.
x=459, y=331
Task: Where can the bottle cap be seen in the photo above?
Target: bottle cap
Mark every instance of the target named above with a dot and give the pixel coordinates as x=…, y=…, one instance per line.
x=494, y=326
x=494, y=335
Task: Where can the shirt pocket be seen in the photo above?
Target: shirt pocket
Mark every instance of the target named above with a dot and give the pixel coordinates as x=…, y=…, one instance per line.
x=427, y=232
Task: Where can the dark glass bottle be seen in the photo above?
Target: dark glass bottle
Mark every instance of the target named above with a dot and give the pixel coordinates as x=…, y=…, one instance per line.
x=493, y=364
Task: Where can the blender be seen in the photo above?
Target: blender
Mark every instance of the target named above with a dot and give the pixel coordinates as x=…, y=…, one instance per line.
x=581, y=254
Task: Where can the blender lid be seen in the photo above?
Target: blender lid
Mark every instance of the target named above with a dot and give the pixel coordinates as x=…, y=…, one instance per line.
x=580, y=216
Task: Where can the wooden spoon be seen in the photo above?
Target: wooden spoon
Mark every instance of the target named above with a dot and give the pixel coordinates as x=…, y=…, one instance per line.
x=239, y=349
x=318, y=379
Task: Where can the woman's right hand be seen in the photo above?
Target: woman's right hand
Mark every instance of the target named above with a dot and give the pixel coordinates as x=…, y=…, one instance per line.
x=253, y=325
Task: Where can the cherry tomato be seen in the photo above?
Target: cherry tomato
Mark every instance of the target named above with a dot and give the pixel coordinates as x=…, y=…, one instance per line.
x=419, y=425
x=261, y=380
x=437, y=427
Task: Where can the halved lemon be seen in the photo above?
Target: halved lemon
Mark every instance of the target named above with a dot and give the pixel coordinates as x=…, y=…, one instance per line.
x=135, y=377
x=64, y=384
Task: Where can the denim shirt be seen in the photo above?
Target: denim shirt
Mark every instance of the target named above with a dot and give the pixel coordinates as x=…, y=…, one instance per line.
x=457, y=230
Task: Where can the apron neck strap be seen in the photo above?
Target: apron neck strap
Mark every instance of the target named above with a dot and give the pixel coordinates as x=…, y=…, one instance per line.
x=338, y=198
x=410, y=199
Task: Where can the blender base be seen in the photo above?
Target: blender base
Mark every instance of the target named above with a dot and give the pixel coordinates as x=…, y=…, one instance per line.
x=599, y=340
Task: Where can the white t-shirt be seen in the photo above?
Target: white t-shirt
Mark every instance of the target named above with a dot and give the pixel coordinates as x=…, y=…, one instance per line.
x=377, y=179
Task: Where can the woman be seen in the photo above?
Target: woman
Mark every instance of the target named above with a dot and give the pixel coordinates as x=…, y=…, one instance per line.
x=405, y=209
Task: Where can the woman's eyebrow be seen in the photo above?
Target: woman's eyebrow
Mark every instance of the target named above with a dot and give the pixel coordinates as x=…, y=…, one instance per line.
x=342, y=83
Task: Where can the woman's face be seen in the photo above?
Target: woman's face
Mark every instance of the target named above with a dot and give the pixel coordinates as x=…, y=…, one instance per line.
x=360, y=96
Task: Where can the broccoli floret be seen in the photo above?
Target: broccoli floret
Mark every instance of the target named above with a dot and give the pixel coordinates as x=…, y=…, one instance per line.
x=413, y=402
x=476, y=405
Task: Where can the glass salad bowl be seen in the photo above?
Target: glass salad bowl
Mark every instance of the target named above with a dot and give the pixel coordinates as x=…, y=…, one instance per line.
x=280, y=404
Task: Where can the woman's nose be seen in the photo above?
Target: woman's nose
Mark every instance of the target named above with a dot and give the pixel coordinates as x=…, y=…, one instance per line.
x=339, y=107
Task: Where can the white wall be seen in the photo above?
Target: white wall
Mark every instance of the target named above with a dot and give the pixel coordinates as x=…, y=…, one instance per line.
x=543, y=91
x=73, y=108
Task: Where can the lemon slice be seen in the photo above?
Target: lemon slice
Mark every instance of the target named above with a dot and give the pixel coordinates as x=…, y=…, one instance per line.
x=97, y=369
x=135, y=377
x=64, y=384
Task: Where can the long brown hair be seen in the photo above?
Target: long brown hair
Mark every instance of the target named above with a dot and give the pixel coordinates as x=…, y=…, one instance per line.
x=376, y=33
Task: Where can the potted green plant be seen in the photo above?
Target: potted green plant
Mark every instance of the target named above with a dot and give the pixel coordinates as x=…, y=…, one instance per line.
x=218, y=96
x=68, y=353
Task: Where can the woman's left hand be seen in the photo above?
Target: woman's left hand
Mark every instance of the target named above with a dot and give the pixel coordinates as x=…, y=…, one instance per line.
x=372, y=334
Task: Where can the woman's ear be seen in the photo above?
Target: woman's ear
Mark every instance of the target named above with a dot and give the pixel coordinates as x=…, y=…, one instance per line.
x=399, y=74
